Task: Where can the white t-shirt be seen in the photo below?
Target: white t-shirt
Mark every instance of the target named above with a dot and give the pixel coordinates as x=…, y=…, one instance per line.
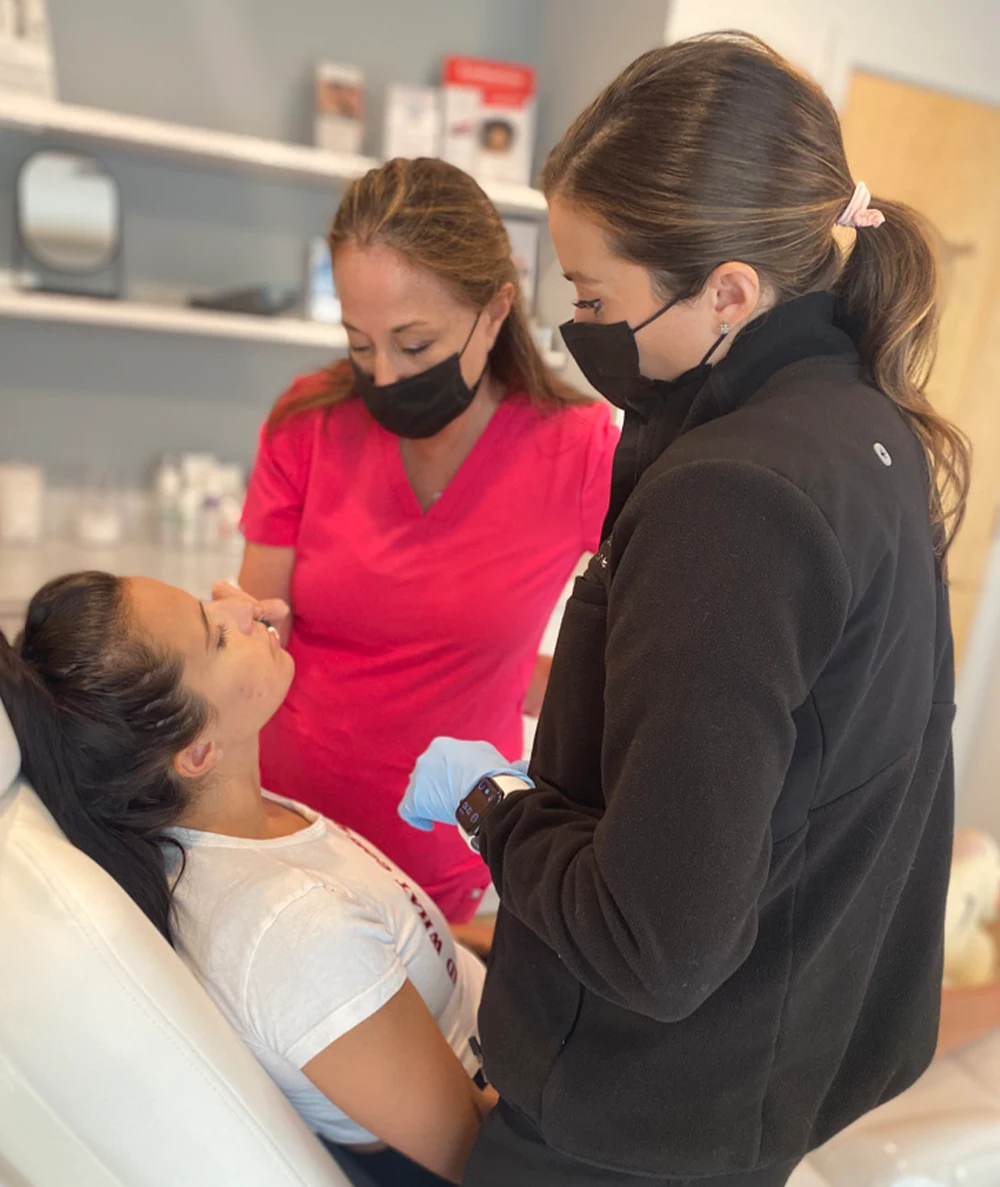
x=300, y=938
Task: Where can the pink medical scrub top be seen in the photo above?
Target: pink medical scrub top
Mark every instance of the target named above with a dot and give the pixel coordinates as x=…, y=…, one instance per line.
x=409, y=625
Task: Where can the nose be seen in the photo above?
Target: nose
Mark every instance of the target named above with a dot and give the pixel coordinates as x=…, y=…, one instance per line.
x=239, y=613
x=385, y=372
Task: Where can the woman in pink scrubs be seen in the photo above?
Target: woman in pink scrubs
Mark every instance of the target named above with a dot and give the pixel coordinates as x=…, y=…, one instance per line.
x=420, y=507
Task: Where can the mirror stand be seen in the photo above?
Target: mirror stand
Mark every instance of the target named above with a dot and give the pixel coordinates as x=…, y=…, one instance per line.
x=68, y=225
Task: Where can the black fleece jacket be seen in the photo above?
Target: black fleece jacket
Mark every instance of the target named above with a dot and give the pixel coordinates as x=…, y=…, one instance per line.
x=721, y=932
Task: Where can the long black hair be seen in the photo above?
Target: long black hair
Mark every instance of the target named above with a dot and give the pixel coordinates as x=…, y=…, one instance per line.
x=99, y=713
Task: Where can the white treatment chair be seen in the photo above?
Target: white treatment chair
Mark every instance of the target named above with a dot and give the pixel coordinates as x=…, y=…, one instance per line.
x=116, y=1068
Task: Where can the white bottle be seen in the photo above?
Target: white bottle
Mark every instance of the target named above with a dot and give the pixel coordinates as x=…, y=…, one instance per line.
x=22, y=504
x=211, y=501
x=168, y=491
x=195, y=468
x=189, y=517
x=231, y=508
x=99, y=522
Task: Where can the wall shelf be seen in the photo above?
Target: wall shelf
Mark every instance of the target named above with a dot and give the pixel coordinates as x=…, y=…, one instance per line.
x=169, y=319
x=225, y=149
x=175, y=319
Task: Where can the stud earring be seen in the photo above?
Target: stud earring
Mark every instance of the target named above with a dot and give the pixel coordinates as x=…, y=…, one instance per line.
x=724, y=328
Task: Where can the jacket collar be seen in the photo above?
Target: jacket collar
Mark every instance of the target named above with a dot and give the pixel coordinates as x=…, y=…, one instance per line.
x=790, y=332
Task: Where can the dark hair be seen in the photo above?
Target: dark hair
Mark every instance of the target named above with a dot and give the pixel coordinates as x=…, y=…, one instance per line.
x=716, y=149
x=99, y=713
x=439, y=219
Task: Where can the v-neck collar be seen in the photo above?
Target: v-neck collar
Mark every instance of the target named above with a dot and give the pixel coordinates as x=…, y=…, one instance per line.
x=449, y=502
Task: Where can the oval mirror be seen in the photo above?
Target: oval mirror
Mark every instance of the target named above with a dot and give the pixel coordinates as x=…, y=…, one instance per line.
x=69, y=212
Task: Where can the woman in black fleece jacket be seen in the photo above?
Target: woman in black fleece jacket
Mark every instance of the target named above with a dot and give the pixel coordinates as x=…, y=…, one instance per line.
x=723, y=885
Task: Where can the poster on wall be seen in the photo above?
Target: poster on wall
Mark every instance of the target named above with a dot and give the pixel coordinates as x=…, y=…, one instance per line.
x=489, y=118
x=26, y=64
x=340, y=107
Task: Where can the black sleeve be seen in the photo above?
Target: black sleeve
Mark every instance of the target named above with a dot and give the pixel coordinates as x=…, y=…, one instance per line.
x=728, y=593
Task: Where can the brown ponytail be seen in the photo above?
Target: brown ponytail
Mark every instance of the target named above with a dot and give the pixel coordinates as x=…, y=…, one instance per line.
x=887, y=295
x=98, y=715
x=716, y=149
x=439, y=219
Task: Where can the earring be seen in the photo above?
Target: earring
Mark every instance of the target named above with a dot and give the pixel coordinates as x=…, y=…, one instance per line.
x=724, y=328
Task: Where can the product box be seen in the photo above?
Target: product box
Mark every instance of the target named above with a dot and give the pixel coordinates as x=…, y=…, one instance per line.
x=9, y=19
x=26, y=63
x=412, y=122
x=339, y=107
x=489, y=118
x=523, y=236
x=322, y=303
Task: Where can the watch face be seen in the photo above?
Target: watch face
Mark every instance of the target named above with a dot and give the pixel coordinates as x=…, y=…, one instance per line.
x=471, y=810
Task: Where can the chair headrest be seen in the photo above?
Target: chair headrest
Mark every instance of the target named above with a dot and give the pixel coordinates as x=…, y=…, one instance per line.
x=10, y=752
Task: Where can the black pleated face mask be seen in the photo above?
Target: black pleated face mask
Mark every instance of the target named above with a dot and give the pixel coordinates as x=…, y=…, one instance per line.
x=608, y=356
x=420, y=405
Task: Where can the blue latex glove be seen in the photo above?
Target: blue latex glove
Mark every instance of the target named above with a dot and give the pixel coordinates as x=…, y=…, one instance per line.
x=445, y=774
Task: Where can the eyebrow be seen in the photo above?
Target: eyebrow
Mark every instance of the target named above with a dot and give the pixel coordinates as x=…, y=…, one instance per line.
x=580, y=278
x=208, y=629
x=395, y=329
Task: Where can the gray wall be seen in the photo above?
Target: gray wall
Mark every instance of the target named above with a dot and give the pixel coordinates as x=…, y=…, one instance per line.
x=246, y=65
x=79, y=398
x=585, y=44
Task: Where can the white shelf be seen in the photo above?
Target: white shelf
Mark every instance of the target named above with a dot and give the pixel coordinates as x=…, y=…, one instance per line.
x=173, y=319
x=228, y=149
x=169, y=319
x=178, y=140
x=516, y=199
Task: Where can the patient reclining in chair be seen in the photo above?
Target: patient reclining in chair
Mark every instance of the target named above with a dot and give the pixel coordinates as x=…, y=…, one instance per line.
x=137, y=710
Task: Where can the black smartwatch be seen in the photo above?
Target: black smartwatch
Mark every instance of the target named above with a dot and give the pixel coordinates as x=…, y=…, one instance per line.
x=481, y=801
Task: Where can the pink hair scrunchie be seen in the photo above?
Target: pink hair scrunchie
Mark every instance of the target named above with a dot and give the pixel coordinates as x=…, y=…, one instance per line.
x=857, y=214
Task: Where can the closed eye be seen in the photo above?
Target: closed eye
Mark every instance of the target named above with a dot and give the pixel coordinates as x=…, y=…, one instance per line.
x=594, y=303
x=223, y=636
x=415, y=350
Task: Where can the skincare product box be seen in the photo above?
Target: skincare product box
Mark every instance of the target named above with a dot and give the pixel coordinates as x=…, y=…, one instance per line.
x=26, y=62
x=321, y=295
x=489, y=118
x=412, y=122
x=339, y=107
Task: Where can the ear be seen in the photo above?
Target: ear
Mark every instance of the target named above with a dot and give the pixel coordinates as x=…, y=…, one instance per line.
x=735, y=292
x=197, y=759
x=498, y=310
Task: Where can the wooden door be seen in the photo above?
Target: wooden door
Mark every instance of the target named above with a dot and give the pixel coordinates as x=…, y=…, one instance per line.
x=941, y=155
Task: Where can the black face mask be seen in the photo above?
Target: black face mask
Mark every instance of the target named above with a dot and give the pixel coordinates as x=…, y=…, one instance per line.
x=609, y=358
x=420, y=405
